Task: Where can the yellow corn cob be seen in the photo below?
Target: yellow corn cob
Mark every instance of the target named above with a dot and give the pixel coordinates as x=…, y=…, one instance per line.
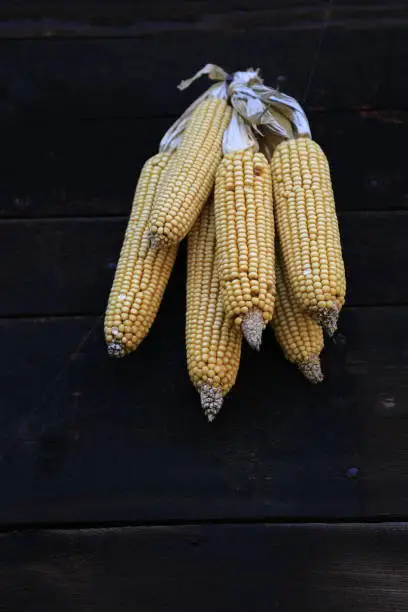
x=308, y=229
x=213, y=341
x=245, y=241
x=142, y=273
x=187, y=187
x=299, y=336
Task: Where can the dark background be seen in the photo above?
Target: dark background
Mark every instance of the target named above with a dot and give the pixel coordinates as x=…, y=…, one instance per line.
x=115, y=494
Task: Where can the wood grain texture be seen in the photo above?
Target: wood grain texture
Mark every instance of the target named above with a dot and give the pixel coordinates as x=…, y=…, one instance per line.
x=85, y=438
x=44, y=79
x=91, y=167
x=340, y=568
x=66, y=266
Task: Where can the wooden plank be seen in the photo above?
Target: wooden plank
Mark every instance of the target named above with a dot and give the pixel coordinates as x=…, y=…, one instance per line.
x=108, y=77
x=90, y=167
x=85, y=438
x=215, y=567
x=66, y=266
x=106, y=18
x=42, y=19
x=143, y=18
x=109, y=10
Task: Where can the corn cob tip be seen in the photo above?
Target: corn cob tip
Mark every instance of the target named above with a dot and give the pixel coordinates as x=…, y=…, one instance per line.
x=328, y=319
x=115, y=349
x=252, y=327
x=311, y=369
x=211, y=401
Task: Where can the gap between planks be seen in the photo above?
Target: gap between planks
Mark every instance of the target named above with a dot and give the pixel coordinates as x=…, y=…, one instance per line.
x=386, y=520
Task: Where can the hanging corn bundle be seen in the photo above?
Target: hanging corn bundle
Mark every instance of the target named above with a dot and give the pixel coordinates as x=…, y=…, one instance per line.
x=245, y=232
x=213, y=341
x=238, y=165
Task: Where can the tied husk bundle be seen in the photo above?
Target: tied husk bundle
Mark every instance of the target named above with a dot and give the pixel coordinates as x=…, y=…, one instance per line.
x=239, y=176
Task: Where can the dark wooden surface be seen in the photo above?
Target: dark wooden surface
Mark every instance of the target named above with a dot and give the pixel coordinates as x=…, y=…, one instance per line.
x=111, y=77
x=86, y=439
x=39, y=18
x=235, y=567
x=86, y=91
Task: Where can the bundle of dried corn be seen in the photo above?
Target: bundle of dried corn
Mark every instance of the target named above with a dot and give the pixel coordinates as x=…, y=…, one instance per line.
x=239, y=174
